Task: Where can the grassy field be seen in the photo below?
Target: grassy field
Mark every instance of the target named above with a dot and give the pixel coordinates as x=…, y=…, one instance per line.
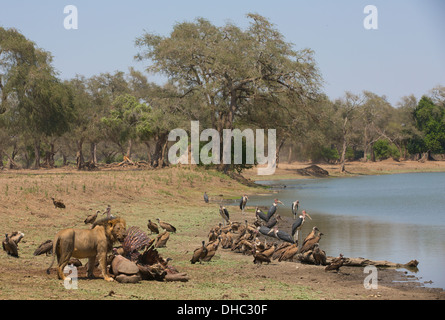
x=173, y=194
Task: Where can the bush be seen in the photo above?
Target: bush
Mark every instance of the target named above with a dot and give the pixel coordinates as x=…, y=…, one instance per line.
x=384, y=150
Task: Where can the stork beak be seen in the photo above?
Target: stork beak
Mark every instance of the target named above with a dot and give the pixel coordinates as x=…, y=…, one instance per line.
x=307, y=215
x=280, y=202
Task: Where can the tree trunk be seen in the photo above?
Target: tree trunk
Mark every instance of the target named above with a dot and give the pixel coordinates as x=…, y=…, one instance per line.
x=129, y=148
x=345, y=145
x=79, y=155
x=36, y=153
x=289, y=155
x=93, y=152
x=277, y=160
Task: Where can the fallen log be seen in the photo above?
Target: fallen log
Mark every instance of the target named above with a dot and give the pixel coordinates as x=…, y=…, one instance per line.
x=359, y=262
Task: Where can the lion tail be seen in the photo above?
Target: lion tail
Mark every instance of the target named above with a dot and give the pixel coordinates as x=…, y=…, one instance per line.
x=55, y=245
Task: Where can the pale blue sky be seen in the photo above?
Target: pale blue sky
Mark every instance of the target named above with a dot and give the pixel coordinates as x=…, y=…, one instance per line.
x=406, y=55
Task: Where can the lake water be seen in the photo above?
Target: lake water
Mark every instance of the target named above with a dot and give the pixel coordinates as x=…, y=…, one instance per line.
x=397, y=217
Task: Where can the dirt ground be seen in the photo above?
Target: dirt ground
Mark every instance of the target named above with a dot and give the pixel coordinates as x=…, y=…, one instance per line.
x=174, y=195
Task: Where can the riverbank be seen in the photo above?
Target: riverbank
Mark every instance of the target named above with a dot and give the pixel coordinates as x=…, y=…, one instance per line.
x=174, y=195
x=389, y=166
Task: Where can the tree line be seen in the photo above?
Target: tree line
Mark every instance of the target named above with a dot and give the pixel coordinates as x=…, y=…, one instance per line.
x=225, y=77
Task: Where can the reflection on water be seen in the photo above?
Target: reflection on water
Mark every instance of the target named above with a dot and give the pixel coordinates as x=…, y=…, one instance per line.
x=393, y=217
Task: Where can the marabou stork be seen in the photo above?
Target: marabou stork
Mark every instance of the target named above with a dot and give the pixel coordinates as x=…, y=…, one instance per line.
x=295, y=208
x=296, y=226
x=279, y=234
x=261, y=215
x=273, y=221
x=243, y=202
x=264, y=230
x=224, y=214
x=206, y=197
x=273, y=209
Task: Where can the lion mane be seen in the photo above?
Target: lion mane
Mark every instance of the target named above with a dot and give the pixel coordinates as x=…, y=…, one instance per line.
x=88, y=243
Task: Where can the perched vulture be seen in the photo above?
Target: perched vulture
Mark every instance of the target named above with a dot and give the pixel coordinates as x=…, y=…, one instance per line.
x=135, y=240
x=309, y=245
x=335, y=264
x=91, y=218
x=58, y=203
x=153, y=227
x=44, y=248
x=10, y=246
x=199, y=253
x=319, y=255
x=161, y=239
x=166, y=226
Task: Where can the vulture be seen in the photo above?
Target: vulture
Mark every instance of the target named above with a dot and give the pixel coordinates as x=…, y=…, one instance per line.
x=335, y=264
x=44, y=248
x=91, y=218
x=108, y=212
x=199, y=253
x=161, y=239
x=135, y=240
x=289, y=253
x=309, y=245
x=10, y=246
x=58, y=203
x=280, y=249
x=206, y=197
x=153, y=227
x=269, y=251
x=211, y=249
x=259, y=256
x=224, y=214
x=319, y=255
x=166, y=226
x=311, y=235
x=16, y=236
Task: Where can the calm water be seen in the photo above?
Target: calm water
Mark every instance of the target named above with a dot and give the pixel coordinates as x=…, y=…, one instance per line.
x=392, y=217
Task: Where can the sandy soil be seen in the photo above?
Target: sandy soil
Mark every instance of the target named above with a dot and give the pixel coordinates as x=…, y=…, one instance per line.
x=175, y=195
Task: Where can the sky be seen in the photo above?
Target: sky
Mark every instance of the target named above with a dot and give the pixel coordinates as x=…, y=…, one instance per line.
x=404, y=55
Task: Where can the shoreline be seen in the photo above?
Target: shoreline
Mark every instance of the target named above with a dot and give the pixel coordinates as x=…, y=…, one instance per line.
x=354, y=168
x=288, y=171
x=175, y=195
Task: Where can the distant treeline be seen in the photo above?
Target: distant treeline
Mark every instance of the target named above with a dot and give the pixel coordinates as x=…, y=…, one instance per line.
x=225, y=77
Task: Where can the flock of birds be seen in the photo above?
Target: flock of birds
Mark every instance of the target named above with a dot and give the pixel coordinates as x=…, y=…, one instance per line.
x=245, y=238
x=236, y=236
x=163, y=230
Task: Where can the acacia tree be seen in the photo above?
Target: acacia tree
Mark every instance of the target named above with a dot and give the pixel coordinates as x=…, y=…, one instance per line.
x=33, y=99
x=229, y=68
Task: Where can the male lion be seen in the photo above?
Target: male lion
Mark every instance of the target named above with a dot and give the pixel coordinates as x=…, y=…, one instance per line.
x=88, y=243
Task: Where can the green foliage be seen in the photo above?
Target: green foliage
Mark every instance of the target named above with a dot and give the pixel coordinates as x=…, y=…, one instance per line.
x=383, y=149
x=430, y=120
